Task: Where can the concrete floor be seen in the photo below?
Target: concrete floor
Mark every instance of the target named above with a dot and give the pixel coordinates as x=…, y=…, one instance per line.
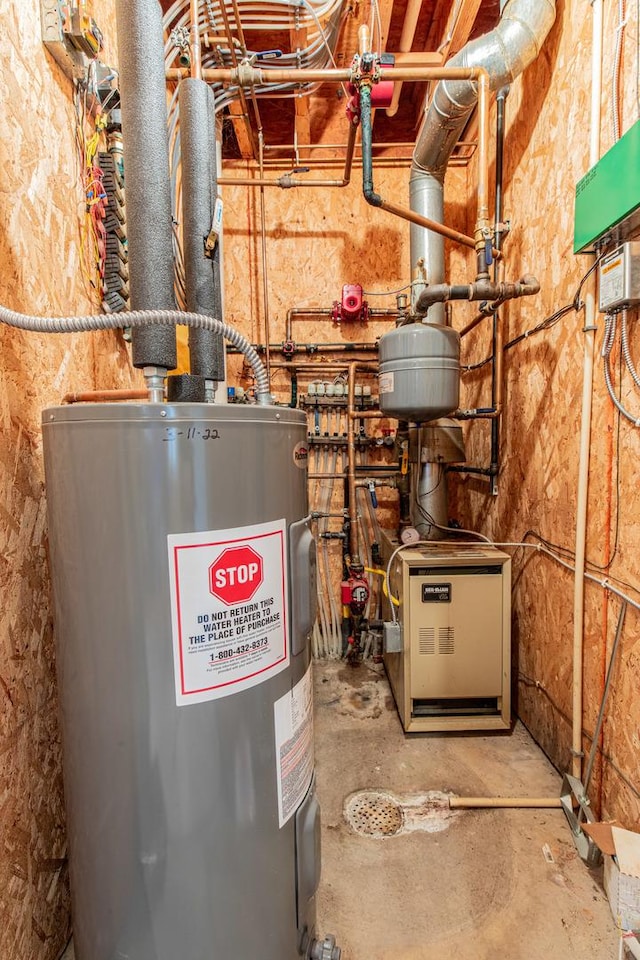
x=479, y=889
x=482, y=887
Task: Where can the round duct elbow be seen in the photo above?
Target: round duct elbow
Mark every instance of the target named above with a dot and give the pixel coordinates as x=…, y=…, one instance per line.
x=419, y=372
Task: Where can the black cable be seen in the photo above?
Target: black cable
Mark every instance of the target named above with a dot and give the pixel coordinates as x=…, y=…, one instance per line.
x=575, y=305
x=567, y=554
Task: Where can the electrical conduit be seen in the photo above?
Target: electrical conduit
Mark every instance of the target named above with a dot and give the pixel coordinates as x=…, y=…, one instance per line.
x=140, y=319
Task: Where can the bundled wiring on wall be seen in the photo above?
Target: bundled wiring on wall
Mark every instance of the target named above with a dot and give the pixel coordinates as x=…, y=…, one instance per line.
x=574, y=306
x=88, y=131
x=103, y=252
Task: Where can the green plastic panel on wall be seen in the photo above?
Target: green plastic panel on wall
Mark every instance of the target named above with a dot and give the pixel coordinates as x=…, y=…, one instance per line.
x=609, y=194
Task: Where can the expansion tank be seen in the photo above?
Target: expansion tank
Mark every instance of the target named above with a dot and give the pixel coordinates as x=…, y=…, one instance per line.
x=184, y=584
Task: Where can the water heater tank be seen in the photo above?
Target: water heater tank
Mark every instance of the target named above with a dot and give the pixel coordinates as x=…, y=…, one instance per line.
x=419, y=372
x=183, y=571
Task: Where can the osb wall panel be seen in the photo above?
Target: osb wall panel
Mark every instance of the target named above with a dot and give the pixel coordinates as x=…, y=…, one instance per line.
x=546, y=154
x=39, y=205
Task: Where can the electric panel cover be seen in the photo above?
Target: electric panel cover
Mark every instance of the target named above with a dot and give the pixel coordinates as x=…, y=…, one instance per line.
x=620, y=278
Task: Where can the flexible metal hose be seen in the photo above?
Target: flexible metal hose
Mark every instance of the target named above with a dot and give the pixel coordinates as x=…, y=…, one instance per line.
x=626, y=353
x=143, y=318
x=607, y=344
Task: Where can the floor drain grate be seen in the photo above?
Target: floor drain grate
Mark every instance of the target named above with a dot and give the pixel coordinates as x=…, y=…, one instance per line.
x=374, y=814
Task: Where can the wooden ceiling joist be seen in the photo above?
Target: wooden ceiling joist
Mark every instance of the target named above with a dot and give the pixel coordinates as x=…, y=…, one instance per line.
x=299, y=41
x=240, y=124
x=459, y=26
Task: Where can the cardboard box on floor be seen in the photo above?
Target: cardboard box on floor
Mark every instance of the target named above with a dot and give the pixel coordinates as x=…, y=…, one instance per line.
x=622, y=874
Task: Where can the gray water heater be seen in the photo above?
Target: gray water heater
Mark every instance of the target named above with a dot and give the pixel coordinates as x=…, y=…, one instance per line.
x=419, y=372
x=183, y=572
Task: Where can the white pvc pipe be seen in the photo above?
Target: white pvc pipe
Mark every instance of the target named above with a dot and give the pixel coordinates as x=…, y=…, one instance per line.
x=585, y=428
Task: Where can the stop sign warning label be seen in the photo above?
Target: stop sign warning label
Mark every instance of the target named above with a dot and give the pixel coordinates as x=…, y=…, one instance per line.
x=229, y=609
x=236, y=575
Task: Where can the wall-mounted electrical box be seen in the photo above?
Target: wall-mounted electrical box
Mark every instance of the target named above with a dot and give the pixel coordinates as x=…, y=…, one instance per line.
x=608, y=197
x=71, y=35
x=620, y=278
x=451, y=669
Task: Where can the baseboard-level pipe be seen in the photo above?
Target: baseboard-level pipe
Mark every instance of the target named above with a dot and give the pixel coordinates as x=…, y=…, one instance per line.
x=503, y=53
x=199, y=191
x=146, y=157
x=582, y=498
x=105, y=396
x=138, y=319
x=504, y=803
x=352, y=416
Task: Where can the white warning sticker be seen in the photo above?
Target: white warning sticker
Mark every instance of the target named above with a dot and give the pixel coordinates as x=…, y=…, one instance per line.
x=386, y=383
x=229, y=609
x=294, y=746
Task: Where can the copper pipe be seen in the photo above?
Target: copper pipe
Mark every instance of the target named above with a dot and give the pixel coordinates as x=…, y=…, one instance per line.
x=105, y=396
x=482, y=229
x=364, y=40
x=331, y=365
x=484, y=91
x=406, y=214
x=262, y=76
x=286, y=182
x=383, y=161
x=352, y=416
x=196, y=47
x=301, y=313
x=474, y=323
x=369, y=415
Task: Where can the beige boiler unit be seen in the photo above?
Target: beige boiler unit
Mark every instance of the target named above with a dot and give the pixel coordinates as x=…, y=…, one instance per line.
x=451, y=669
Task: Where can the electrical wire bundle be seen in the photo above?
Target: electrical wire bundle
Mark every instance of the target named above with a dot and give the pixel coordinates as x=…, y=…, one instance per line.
x=89, y=129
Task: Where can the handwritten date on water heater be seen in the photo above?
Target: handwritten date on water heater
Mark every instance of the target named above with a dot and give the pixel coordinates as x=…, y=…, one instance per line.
x=191, y=433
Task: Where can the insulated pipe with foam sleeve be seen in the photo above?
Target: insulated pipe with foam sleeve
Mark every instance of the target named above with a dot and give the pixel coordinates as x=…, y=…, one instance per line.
x=199, y=192
x=146, y=158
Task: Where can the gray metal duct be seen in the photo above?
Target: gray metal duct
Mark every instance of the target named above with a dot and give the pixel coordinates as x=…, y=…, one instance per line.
x=199, y=192
x=146, y=153
x=504, y=53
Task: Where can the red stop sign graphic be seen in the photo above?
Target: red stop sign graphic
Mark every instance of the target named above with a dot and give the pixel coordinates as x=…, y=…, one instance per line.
x=236, y=575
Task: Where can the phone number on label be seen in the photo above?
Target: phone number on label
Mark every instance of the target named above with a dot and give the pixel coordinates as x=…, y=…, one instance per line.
x=243, y=648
